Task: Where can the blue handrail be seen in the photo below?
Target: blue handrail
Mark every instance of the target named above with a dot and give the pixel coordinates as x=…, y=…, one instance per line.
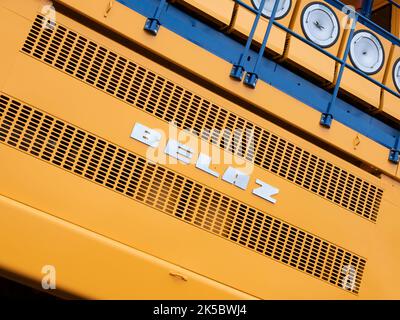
x=326, y=117
x=366, y=8
x=252, y=77
x=315, y=46
x=238, y=69
x=153, y=23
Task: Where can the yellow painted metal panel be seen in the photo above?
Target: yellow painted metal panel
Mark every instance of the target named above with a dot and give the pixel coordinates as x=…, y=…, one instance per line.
x=97, y=83
x=49, y=78
x=11, y=40
x=220, y=10
x=181, y=191
x=48, y=195
x=398, y=173
x=92, y=110
x=395, y=25
x=155, y=233
x=104, y=105
x=129, y=23
x=381, y=274
x=90, y=265
x=392, y=188
x=24, y=8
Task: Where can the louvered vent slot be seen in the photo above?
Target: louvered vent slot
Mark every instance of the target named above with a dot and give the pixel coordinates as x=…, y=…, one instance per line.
x=124, y=79
x=62, y=144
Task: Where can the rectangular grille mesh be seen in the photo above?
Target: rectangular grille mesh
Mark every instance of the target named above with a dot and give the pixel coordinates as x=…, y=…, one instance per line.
x=97, y=66
x=61, y=144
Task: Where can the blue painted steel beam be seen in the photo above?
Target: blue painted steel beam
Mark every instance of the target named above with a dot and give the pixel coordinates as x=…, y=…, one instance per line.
x=341, y=61
x=270, y=72
x=366, y=8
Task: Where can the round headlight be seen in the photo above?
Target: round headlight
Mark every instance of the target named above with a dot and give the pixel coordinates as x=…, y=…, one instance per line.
x=320, y=24
x=366, y=52
x=283, y=8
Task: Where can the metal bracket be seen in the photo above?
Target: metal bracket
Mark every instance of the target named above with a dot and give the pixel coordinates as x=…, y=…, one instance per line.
x=326, y=120
x=153, y=23
x=237, y=72
x=251, y=79
x=394, y=154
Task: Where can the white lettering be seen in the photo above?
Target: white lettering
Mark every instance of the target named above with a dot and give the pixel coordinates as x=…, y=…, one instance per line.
x=265, y=191
x=179, y=151
x=185, y=154
x=203, y=163
x=146, y=135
